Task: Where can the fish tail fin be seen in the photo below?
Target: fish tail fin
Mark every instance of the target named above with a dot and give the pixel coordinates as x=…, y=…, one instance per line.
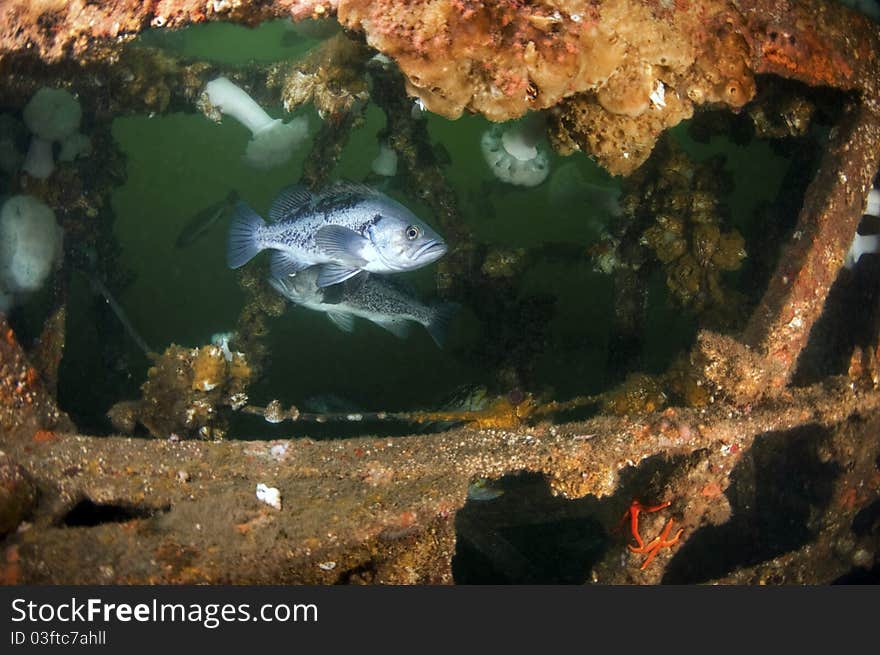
x=438, y=326
x=243, y=245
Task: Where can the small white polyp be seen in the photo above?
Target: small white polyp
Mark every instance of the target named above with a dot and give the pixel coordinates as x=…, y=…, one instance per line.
x=269, y=495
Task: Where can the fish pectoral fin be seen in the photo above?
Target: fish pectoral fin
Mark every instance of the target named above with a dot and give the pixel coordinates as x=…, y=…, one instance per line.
x=344, y=322
x=289, y=201
x=335, y=273
x=280, y=285
x=397, y=326
x=342, y=243
x=282, y=264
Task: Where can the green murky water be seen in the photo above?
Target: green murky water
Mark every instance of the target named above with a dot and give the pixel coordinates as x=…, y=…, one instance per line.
x=179, y=163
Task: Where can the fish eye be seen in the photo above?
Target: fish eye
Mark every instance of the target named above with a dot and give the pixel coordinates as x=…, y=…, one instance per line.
x=413, y=232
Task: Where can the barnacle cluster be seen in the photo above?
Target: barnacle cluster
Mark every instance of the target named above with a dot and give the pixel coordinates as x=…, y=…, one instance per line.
x=185, y=390
x=147, y=77
x=619, y=140
x=685, y=385
x=639, y=393
x=332, y=76
x=780, y=112
x=674, y=203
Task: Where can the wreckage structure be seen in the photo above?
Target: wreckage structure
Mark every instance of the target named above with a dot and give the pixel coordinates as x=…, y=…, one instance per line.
x=754, y=459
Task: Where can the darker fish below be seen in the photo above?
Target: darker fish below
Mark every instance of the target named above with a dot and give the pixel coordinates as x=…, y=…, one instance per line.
x=376, y=298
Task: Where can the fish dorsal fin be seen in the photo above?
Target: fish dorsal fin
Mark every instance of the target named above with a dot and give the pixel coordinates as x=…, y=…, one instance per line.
x=399, y=327
x=282, y=264
x=347, y=187
x=343, y=244
x=335, y=273
x=343, y=195
x=289, y=201
x=344, y=322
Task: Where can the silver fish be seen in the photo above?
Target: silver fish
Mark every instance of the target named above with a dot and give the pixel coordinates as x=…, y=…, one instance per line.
x=375, y=298
x=347, y=228
x=204, y=220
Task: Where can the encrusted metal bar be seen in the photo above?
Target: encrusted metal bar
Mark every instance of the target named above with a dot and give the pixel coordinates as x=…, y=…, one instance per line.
x=187, y=511
x=25, y=405
x=817, y=42
x=808, y=265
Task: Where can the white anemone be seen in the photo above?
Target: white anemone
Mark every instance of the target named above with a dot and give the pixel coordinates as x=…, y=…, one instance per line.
x=518, y=153
x=385, y=162
x=30, y=246
x=272, y=140
x=51, y=115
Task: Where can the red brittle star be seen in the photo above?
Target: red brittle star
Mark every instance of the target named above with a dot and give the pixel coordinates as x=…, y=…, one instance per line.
x=662, y=541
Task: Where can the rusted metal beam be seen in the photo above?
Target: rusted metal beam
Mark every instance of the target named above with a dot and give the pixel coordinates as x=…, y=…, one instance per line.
x=25, y=405
x=844, y=536
x=809, y=263
x=187, y=511
x=819, y=43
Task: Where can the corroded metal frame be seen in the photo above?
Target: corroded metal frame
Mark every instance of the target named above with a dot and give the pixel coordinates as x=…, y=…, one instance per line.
x=384, y=509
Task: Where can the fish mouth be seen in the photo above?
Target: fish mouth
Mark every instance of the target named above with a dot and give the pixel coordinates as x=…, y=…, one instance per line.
x=430, y=251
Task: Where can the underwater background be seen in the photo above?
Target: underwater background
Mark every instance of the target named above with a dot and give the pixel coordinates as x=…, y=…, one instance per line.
x=177, y=164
